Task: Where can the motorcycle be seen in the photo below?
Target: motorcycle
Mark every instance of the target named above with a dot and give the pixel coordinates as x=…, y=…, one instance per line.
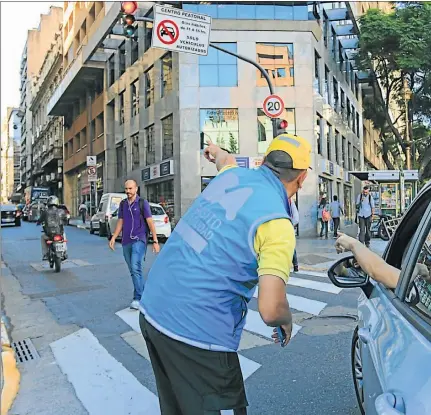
x=56, y=251
x=378, y=229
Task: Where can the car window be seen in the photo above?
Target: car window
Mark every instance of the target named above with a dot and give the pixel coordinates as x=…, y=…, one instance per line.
x=115, y=203
x=418, y=295
x=101, y=206
x=156, y=210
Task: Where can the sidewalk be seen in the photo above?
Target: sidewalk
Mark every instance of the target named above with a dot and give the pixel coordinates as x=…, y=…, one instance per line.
x=77, y=223
x=316, y=254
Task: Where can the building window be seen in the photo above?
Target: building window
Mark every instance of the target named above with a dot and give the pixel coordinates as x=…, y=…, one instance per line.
x=148, y=32
x=349, y=155
x=336, y=98
x=344, y=161
x=166, y=83
x=325, y=29
x=218, y=68
x=327, y=86
x=278, y=61
x=358, y=130
x=121, y=160
x=135, y=97
x=168, y=137
x=122, y=57
x=221, y=126
x=163, y=194
x=353, y=120
x=318, y=132
x=149, y=87
x=150, y=153
x=317, y=86
x=135, y=50
x=349, y=113
x=268, y=11
x=337, y=147
x=264, y=128
x=343, y=103
x=329, y=140
x=341, y=58
x=135, y=152
x=121, y=99
x=356, y=87
x=111, y=70
x=356, y=159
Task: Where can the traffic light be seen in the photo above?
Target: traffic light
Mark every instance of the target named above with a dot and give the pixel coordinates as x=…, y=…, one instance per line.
x=128, y=8
x=279, y=126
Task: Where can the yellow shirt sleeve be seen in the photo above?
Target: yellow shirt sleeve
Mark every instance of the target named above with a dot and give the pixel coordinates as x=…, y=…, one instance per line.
x=228, y=167
x=274, y=244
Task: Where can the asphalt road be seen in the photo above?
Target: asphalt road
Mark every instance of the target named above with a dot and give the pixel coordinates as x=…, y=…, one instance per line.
x=92, y=360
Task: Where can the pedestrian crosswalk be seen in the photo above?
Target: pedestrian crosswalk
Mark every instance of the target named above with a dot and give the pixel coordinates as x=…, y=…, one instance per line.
x=105, y=386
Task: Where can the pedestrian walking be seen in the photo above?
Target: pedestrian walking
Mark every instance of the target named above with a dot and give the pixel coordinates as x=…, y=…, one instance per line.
x=336, y=210
x=295, y=222
x=365, y=212
x=135, y=221
x=194, y=305
x=324, y=217
x=83, y=211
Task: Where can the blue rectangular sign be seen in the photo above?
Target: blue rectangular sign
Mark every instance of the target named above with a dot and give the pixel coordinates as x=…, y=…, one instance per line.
x=242, y=162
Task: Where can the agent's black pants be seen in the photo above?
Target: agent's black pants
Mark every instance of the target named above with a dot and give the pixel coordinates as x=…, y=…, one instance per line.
x=193, y=381
x=336, y=225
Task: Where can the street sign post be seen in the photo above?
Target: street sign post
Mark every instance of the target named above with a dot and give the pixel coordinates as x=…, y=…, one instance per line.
x=273, y=106
x=92, y=174
x=91, y=161
x=180, y=30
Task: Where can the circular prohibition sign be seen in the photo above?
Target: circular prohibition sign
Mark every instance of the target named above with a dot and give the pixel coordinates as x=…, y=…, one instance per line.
x=273, y=106
x=170, y=29
x=91, y=170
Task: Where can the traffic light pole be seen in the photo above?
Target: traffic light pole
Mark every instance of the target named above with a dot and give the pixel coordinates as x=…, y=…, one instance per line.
x=243, y=58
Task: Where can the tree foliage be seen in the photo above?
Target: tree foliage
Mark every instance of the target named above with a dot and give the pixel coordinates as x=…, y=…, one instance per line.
x=396, y=47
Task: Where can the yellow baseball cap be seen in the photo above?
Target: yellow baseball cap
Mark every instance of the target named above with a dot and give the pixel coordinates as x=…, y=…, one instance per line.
x=288, y=151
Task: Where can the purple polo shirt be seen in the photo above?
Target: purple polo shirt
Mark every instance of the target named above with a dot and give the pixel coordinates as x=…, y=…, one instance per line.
x=136, y=225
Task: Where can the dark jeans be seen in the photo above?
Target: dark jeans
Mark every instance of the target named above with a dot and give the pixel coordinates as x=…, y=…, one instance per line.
x=193, y=381
x=134, y=254
x=324, y=228
x=295, y=259
x=365, y=230
x=83, y=216
x=336, y=225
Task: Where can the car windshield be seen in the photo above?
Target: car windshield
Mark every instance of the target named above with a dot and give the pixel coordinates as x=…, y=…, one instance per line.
x=157, y=211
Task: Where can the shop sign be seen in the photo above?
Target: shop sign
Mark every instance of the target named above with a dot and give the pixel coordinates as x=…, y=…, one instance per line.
x=158, y=170
x=331, y=168
x=85, y=190
x=242, y=162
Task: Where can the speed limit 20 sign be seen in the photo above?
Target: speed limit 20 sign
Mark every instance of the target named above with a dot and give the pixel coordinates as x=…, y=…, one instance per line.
x=273, y=106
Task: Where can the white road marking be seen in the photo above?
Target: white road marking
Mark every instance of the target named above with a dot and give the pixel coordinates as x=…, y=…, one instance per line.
x=248, y=367
x=303, y=304
x=102, y=384
x=312, y=273
x=255, y=324
x=314, y=285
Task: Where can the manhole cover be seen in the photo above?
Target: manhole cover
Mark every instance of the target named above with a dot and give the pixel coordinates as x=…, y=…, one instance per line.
x=312, y=259
x=25, y=350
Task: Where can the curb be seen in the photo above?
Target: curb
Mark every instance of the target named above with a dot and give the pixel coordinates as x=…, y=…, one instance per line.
x=11, y=376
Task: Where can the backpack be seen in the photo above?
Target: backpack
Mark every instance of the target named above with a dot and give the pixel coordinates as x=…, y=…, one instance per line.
x=358, y=206
x=326, y=216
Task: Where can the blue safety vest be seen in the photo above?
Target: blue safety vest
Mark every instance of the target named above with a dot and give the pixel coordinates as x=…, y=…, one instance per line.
x=199, y=286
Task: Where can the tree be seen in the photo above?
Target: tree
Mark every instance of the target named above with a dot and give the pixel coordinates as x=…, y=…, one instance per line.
x=233, y=148
x=396, y=48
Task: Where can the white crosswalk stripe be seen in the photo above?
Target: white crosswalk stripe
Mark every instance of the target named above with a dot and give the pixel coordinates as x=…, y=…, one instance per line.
x=102, y=383
x=314, y=285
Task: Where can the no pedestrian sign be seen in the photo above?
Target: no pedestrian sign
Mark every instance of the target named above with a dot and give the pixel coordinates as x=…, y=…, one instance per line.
x=273, y=106
x=180, y=30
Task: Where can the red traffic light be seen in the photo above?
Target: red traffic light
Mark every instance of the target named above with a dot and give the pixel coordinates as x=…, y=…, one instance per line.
x=283, y=124
x=129, y=7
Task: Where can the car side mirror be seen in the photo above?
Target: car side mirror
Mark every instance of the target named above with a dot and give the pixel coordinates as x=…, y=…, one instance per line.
x=347, y=273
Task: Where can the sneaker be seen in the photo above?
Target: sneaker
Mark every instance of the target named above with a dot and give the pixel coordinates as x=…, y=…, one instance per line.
x=134, y=305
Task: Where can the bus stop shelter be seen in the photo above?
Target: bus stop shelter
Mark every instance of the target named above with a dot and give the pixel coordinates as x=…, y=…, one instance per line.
x=392, y=190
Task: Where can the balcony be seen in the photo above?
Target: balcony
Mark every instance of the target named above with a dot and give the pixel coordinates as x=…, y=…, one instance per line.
x=54, y=153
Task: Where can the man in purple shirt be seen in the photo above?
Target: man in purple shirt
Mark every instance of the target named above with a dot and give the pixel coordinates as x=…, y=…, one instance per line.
x=134, y=220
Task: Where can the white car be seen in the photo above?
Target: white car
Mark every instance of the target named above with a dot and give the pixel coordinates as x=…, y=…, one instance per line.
x=161, y=220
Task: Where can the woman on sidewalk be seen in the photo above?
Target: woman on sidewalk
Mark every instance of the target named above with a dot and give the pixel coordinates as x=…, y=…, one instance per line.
x=324, y=216
x=295, y=222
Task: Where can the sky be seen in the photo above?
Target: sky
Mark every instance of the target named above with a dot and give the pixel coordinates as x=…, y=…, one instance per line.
x=13, y=38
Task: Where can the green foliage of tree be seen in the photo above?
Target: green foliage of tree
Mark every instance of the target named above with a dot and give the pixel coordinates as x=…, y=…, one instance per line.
x=233, y=147
x=396, y=46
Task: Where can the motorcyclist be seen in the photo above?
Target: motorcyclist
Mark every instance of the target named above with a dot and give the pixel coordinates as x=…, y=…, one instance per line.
x=53, y=220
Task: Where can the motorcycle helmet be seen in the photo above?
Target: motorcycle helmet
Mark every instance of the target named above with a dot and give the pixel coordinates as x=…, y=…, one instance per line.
x=52, y=201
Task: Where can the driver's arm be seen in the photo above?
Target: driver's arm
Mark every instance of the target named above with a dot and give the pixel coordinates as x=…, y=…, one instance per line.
x=375, y=266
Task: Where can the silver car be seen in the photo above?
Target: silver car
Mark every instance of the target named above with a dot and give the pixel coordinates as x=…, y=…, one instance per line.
x=109, y=203
x=391, y=347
